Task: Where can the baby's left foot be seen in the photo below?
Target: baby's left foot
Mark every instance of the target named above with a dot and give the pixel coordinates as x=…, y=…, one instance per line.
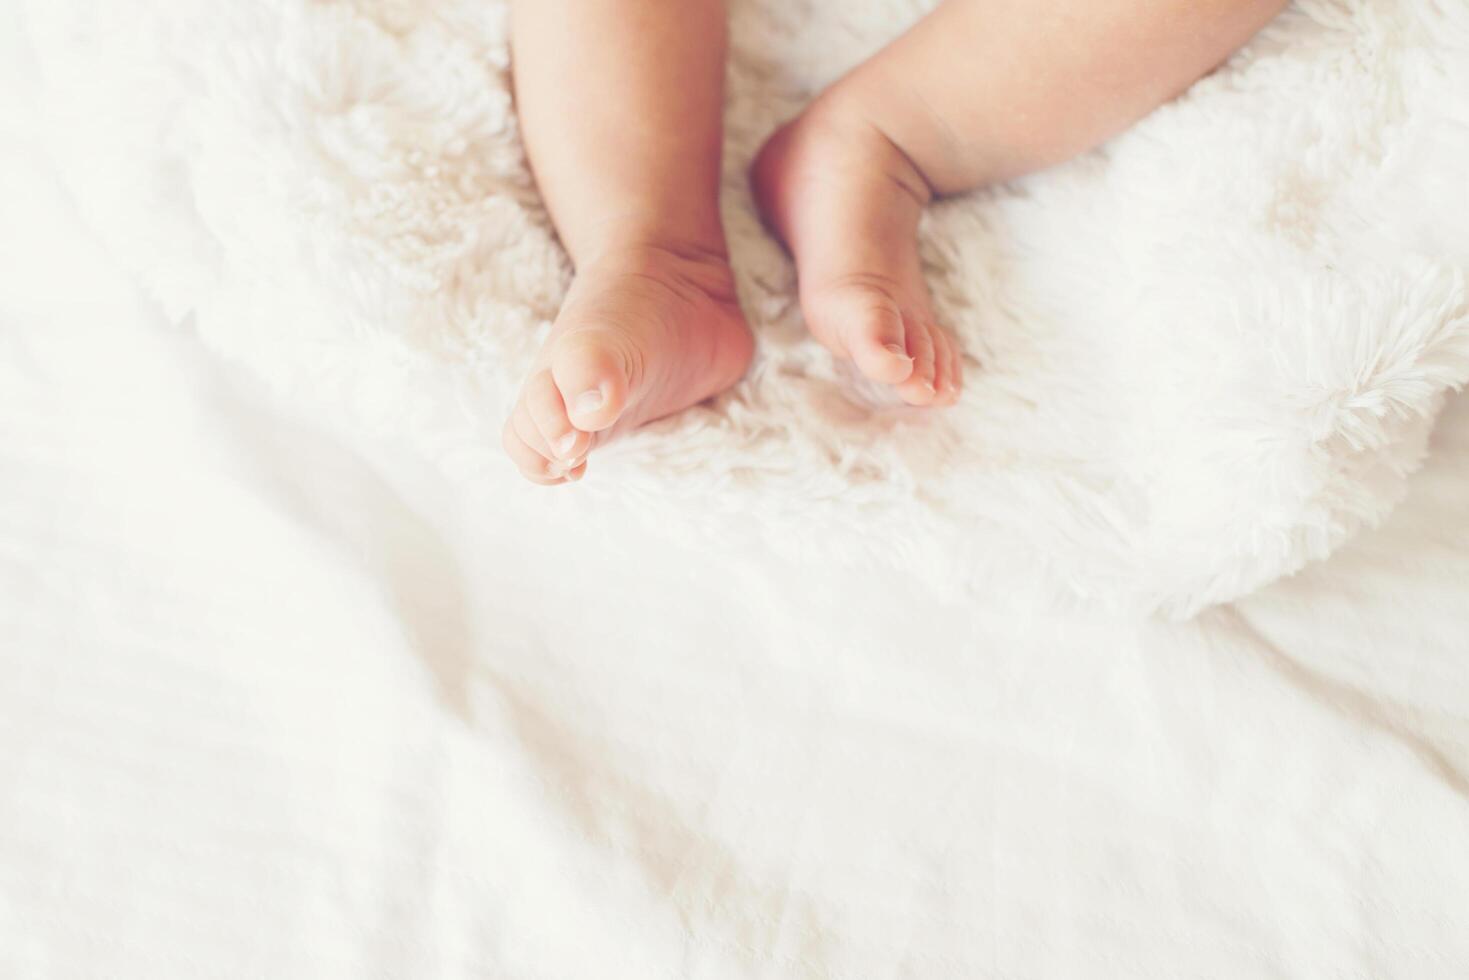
x=846, y=202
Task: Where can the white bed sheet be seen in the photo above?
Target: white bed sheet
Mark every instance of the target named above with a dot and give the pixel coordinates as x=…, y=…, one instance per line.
x=273, y=704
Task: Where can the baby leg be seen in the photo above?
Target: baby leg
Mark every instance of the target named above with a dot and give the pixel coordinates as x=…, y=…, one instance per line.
x=620, y=105
x=978, y=91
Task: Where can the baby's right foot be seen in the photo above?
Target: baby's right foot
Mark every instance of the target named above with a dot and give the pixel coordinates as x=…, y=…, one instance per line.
x=646, y=331
x=846, y=202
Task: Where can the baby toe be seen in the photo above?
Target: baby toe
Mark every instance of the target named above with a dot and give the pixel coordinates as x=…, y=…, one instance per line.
x=865, y=324
x=919, y=387
x=591, y=369
x=547, y=410
x=877, y=345
x=527, y=451
x=948, y=367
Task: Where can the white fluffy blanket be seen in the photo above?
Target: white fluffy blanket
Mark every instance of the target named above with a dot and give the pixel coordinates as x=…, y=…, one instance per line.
x=1209, y=352
x=281, y=702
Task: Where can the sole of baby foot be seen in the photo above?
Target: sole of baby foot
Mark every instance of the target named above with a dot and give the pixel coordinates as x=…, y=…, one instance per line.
x=846, y=202
x=647, y=330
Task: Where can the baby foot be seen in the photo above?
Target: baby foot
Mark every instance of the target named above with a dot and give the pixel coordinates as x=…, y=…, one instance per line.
x=846, y=202
x=645, y=332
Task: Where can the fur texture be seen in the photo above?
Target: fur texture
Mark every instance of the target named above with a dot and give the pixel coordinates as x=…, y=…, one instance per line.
x=1209, y=353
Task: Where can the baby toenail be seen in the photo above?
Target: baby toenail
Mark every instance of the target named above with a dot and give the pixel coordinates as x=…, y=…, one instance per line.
x=589, y=401
x=895, y=349
x=566, y=444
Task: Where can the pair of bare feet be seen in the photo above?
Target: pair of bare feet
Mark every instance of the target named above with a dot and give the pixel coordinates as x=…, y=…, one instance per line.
x=653, y=327
x=620, y=103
